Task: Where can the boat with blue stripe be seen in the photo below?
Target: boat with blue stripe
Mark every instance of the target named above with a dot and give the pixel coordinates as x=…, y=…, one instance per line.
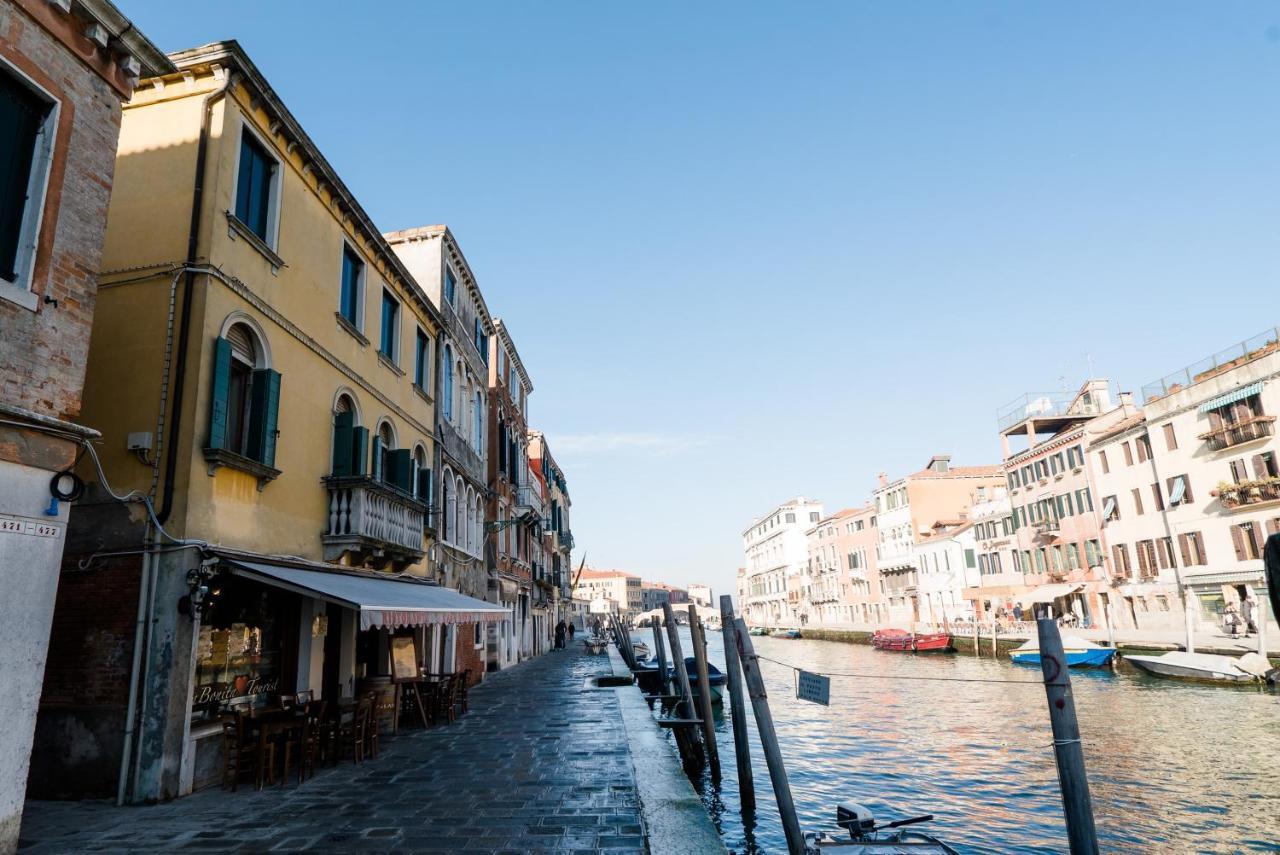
x=1081, y=653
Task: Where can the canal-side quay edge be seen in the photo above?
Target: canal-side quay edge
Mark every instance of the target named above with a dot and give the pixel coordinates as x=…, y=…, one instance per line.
x=1005, y=643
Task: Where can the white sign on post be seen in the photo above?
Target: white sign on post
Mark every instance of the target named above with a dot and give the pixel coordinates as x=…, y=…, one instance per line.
x=814, y=688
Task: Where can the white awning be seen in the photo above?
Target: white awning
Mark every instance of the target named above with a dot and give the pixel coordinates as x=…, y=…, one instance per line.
x=382, y=600
x=1231, y=397
x=1108, y=508
x=1047, y=593
x=1179, y=491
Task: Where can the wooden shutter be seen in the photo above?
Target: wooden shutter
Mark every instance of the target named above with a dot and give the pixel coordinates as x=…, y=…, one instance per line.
x=401, y=475
x=1128, y=454
x=264, y=411
x=1137, y=501
x=1273, y=526
x=1102, y=456
x=1143, y=566
x=424, y=486
x=1255, y=533
x=343, y=425
x=359, y=450
x=1159, y=498
x=1259, y=467
x=1239, y=472
x=1237, y=540
x=219, y=393
x=1170, y=439
x=1185, y=548
x=376, y=468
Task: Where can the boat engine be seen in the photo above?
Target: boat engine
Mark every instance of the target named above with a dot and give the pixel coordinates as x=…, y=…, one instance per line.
x=855, y=819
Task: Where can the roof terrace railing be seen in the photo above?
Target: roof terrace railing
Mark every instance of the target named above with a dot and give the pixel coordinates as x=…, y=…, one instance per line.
x=1031, y=405
x=1248, y=350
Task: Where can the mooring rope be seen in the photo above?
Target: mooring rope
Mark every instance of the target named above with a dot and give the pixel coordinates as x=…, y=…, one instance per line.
x=899, y=676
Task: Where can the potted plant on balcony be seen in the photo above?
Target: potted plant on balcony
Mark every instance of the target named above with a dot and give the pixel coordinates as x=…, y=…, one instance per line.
x=1227, y=493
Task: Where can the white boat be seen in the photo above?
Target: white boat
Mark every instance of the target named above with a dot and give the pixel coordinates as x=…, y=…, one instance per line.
x=1204, y=666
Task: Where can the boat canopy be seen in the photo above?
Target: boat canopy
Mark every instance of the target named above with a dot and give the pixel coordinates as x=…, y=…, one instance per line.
x=1047, y=593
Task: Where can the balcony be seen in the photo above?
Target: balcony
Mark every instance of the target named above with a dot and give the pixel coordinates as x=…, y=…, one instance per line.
x=1046, y=408
x=1249, y=493
x=1238, y=433
x=1047, y=527
x=529, y=500
x=373, y=520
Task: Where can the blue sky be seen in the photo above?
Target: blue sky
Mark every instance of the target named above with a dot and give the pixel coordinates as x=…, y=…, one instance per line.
x=749, y=251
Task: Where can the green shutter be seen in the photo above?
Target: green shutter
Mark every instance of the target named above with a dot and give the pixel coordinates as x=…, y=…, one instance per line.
x=343, y=425
x=424, y=486
x=264, y=410
x=359, y=450
x=401, y=475
x=220, y=393
x=376, y=468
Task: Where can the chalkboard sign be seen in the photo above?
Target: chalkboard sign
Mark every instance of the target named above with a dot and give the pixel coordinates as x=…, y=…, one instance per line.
x=404, y=658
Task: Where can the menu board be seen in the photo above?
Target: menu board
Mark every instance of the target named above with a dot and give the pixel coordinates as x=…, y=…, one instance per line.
x=404, y=658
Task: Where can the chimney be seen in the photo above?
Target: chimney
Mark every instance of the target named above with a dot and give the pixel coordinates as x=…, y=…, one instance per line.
x=884, y=480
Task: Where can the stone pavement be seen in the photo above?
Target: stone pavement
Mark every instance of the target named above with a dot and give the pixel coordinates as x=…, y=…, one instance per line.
x=539, y=764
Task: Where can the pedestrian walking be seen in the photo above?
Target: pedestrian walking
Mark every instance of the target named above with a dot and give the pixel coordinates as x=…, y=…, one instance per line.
x=560, y=632
x=1249, y=611
x=571, y=631
x=1231, y=620
x=1017, y=612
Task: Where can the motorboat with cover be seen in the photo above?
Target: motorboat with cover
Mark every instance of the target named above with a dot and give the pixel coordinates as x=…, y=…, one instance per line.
x=867, y=837
x=1081, y=653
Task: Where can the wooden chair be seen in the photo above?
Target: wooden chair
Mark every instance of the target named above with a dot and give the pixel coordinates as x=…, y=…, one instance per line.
x=305, y=741
x=464, y=687
x=240, y=753
x=372, y=726
x=351, y=734
x=445, y=697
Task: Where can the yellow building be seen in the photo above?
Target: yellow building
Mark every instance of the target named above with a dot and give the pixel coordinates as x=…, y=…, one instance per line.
x=262, y=367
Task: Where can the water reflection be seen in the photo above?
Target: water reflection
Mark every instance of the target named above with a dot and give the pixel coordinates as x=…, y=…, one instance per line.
x=1173, y=767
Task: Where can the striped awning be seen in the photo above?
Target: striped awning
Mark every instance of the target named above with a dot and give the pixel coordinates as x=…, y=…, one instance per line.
x=381, y=599
x=1231, y=397
x=1227, y=577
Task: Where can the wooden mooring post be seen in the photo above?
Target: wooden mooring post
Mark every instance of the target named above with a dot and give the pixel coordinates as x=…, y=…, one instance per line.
x=995, y=632
x=699, y=642
x=977, y=641
x=737, y=709
x=686, y=737
x=769, y=739
x=660, y=653
x=1077, y=807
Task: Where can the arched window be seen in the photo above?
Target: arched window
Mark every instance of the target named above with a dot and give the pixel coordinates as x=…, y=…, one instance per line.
x=421, y=475
x=479, y=525
x=349, y=438
x=471, y=520
x=460, y=513
x=246, y=393
x=479, y=422
x=447, y=379
x=446, y=507
x=384, y=443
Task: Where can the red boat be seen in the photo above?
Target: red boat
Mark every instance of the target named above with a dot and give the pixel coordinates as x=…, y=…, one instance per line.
x=909, y=642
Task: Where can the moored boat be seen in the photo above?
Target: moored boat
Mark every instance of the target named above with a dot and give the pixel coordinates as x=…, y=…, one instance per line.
x=715, y=679
x=757, y=630
x=1208, y=667
x=785, y=633
x=1080, y=652
x=901, y=641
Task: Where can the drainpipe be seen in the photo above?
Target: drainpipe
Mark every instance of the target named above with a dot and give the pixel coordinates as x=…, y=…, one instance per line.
x=146, y=584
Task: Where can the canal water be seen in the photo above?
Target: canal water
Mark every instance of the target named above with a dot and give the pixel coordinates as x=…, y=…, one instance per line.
x=1173, y=767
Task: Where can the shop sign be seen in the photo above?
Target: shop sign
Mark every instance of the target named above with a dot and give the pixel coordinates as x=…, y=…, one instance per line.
x=242, y=686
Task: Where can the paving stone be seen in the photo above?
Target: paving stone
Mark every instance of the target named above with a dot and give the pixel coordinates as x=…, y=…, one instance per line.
x=538, y=764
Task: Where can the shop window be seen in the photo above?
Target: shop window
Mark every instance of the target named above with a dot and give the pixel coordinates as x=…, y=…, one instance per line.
x=246, y=646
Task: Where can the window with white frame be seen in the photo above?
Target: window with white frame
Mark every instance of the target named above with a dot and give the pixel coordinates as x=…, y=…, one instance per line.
x=28, y=120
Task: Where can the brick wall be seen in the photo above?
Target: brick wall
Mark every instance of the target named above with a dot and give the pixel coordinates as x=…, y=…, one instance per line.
x=79, y=731
x=466, y=655
x=44, y=351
